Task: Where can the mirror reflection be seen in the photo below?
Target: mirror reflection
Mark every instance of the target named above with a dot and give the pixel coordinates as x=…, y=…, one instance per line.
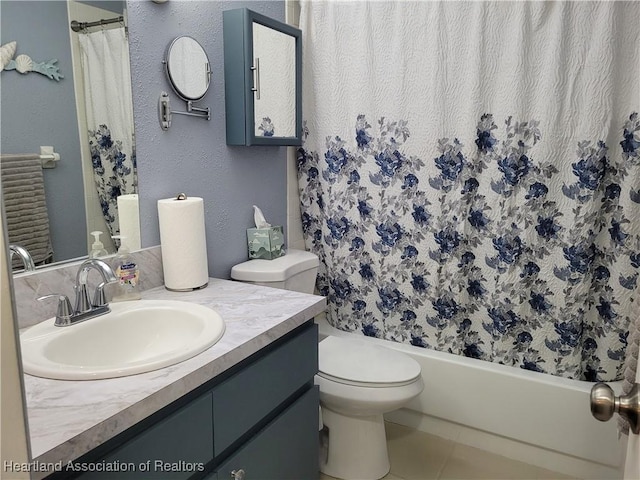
x=274, y=65
x=188, y=68
x=87, y=117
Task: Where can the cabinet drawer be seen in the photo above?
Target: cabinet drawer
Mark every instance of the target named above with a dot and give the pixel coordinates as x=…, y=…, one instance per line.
x=176, y=447
x=244, y=399
x=286, y=449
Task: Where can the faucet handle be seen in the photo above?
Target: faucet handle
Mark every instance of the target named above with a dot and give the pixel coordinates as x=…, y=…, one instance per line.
x=82, y=298
x=63, y=315
x=99, y=297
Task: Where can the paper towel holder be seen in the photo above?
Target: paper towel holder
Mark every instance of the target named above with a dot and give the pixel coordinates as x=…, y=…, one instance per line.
x=185, y=276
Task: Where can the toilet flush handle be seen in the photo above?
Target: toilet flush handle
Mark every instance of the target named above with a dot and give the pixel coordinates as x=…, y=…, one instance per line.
x=237, y=474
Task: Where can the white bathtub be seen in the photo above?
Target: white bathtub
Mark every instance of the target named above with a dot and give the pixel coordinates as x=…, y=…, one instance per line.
x=528, y=416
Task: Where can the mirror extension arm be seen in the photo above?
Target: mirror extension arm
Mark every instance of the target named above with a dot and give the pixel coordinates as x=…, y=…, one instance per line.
x=165, y=112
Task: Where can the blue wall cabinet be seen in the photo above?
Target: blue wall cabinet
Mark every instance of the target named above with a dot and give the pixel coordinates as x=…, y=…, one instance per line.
x=260, y=417
x=263, y=80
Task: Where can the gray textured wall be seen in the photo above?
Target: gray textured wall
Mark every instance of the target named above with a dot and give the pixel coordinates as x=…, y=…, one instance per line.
x=37, y=111
x=192, y=156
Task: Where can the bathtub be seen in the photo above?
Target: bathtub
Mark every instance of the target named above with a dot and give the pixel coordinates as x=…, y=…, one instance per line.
x=535, y=418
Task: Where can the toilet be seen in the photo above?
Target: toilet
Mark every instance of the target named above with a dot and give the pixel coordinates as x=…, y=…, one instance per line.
x=358, y=382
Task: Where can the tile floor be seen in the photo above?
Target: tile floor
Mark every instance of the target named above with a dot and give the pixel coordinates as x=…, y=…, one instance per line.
x=416, y=455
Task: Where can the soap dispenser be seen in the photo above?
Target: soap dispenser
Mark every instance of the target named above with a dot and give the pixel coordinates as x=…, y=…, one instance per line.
x=127, y=274
x=97, y=249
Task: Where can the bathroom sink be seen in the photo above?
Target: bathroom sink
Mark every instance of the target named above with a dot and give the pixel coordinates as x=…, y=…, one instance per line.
x=135, y=337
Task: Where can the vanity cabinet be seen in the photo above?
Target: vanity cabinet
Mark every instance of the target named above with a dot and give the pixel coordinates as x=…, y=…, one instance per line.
x=263, y=79
x=260, y=417
x=273, y=452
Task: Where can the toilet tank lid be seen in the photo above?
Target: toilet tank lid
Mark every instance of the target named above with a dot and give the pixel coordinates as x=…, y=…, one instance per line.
x=276, y=270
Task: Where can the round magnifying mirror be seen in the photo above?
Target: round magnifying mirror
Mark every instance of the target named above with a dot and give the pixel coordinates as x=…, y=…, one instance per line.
x=188, y=68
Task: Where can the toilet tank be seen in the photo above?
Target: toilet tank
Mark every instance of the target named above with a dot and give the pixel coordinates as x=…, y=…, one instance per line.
x=296, y=271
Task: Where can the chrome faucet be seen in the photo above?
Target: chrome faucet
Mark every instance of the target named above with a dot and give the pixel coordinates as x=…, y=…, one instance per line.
x=24, y=255
x=84, y=308
x=83, y=305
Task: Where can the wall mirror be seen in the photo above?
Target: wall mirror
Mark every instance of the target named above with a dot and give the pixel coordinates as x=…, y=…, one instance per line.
x=189, y=73
x=36, y=111
x=263, y=80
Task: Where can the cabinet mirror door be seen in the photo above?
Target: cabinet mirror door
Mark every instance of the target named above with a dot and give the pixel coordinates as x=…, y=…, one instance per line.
x=263, y=80
x=274, y=82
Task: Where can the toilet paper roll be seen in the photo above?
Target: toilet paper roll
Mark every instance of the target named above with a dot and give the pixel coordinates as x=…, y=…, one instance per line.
x=183, y=243
x=129, y=220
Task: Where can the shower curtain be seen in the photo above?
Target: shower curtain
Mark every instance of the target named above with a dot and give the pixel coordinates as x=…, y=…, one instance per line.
x=107, y=82
x=470, y=176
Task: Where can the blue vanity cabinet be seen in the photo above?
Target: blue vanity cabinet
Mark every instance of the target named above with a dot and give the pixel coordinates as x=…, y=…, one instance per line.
x=167, y=449
x=286, y=449
x=261, y=417
x=241, y=401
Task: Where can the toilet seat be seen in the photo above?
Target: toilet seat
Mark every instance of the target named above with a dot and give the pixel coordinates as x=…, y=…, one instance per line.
x=359, y=364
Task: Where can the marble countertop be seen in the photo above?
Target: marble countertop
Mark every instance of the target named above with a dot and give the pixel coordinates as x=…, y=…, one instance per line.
x=69, y=418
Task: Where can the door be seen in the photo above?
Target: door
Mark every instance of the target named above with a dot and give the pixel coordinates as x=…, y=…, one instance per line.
x=603, y=406
x=632, y=461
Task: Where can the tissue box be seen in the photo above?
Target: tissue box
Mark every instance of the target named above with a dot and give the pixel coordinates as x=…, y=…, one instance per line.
x=265, y=243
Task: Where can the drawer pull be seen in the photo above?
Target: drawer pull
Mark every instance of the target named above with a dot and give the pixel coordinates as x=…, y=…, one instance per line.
x=237, y=474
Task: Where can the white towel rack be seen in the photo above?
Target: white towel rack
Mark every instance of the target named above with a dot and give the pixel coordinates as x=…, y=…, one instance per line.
x=48, y=157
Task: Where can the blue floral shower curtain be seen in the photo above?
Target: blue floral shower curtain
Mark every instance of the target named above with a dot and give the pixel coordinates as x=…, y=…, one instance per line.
x=487, y=206
x=107, y=85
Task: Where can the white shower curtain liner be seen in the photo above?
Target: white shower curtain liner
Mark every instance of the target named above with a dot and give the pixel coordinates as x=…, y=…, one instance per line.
x=470, y=175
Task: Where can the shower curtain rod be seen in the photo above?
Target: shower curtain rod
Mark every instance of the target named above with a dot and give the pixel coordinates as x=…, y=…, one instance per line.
x=79, y=26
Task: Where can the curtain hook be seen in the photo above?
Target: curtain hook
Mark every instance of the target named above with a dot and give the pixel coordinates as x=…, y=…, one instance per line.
x=125, y=27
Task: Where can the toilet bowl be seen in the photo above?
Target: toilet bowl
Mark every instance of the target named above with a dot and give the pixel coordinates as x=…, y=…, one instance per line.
x=358, y=382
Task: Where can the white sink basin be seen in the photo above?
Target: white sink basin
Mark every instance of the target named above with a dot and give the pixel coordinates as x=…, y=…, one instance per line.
x=135, y=337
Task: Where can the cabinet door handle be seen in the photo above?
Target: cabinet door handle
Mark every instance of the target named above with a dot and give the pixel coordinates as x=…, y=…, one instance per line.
x=256, y=78
x=237, y=474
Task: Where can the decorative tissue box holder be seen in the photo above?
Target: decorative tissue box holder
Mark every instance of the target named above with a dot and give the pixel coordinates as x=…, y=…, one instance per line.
x=265, y=243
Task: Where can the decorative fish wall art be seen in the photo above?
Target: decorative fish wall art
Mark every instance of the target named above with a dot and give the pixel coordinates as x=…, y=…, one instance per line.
x=24, y=63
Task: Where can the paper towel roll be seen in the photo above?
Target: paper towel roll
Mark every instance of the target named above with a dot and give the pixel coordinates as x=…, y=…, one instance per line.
x=129, y=220
x=183, y=243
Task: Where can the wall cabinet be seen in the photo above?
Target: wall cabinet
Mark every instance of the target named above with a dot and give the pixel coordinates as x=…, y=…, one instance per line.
x=263, y=80
x=260, y=418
